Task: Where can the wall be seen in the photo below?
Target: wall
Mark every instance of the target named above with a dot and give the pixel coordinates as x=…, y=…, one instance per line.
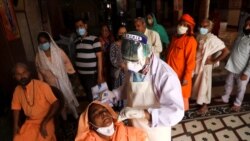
x=29, y=21
x=11, y=51
x=234, y=12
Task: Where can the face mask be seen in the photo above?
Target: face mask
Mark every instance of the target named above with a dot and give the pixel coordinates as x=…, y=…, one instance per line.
x=44, y=46
x=81, y=31
x=134, y=66
x=181, y=30
x=246, y=31
x=107, y=131
x=24, y=81
x=150, y=21
x=137, y=66
x=203, y=31
x=137, y=77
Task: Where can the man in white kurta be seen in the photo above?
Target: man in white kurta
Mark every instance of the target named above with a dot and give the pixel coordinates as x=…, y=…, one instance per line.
x=152, y=88
x=209, y=52
x=153, y=40
x=238, y=66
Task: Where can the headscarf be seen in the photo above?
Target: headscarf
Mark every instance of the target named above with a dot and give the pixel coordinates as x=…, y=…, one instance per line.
x=189, y=20
x=122, y=132
x=56, y=66
x=83, y=126
x=159, y=29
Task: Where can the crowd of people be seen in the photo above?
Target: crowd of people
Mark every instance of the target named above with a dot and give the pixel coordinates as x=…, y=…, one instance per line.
x=152, y=76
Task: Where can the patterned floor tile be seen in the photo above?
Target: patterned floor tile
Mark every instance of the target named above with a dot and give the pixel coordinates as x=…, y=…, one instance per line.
x=183, y=138
x=213, y=124
x=204, y=136
x=194, y=126
x=246, y=118
x=226, y=135
x=177, y=130
x=232, y=121
x=244, y=133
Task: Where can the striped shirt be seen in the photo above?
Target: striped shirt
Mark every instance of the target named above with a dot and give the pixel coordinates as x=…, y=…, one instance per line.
x=239, y=60
x=86, y=49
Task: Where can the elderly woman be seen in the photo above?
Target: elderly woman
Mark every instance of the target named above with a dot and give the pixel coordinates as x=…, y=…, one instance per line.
x=99, y=123
x=53, y=67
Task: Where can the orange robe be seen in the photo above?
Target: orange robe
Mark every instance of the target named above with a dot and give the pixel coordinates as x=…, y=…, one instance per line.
x=35, y=105
x=181, y=57
x=122, y=132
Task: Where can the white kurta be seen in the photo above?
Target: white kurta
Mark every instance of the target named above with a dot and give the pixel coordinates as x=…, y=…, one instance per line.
x=209, y=45
x=154, y=40
x=167, y=109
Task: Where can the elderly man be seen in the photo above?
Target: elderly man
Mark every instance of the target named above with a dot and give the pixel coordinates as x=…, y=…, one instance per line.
x=238, y=66
x=181, y=55
x=39, y=105
x=209, y=52
x=152, y=89
x=154, y=39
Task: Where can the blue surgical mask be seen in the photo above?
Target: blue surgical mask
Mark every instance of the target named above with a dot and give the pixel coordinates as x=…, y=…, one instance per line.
x=138, y=77
x=203, y=31
x=81, y=31
x=44, y=46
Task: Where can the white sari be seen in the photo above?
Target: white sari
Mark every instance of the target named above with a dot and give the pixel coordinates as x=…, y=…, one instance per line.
x=53, y=71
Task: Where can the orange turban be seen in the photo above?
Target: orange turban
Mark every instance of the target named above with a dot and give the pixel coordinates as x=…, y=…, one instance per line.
x=189, y=20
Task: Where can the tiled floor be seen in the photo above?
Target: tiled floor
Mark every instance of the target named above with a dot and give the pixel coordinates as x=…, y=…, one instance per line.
x=230, y=128
x=219, y=124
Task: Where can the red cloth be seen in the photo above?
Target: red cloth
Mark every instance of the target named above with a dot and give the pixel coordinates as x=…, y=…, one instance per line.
x=181, y=57
x=189, y=20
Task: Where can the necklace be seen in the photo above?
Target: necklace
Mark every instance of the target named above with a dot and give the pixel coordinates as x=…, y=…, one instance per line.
x=30, y=103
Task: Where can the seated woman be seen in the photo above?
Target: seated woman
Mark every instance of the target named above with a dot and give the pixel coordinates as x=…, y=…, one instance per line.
x=99, y=123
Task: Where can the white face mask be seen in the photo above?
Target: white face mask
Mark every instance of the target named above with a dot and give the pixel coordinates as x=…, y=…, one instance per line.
x=150, y=21
x=181, y=29
x=137, y=66
x=107, y=131
x=134, y=66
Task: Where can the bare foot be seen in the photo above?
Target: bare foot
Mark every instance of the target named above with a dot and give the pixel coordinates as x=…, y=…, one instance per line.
x=235, y=108
x=203, y=110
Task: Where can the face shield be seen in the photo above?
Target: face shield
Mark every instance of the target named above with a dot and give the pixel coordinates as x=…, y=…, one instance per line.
x=135, y=50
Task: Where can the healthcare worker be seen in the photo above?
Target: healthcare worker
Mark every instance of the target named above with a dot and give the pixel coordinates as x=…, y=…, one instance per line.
x=152, y=89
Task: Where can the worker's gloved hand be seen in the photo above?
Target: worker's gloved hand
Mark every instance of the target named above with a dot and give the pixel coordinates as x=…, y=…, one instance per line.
x=130, y=113
x=108, y=97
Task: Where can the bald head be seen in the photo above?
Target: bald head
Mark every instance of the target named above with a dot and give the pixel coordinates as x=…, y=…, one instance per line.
x=206, y=23
x=21, y=73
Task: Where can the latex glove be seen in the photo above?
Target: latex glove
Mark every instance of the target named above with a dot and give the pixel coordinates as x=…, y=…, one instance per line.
x=108, y=97
x=130, y=113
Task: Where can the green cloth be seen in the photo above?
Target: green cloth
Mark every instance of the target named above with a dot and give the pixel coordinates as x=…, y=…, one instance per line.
x=159, y=29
